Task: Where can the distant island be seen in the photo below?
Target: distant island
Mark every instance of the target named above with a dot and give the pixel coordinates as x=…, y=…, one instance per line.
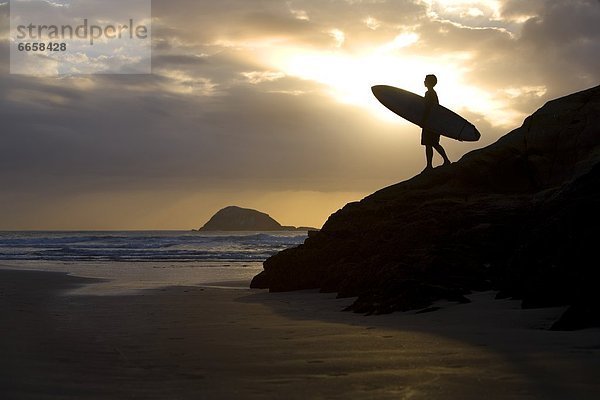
x=235, y=218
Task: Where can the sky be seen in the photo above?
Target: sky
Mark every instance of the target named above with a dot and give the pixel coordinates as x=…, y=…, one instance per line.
x=267, y=104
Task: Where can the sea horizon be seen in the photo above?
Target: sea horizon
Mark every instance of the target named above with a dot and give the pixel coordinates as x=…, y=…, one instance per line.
x=128, y=261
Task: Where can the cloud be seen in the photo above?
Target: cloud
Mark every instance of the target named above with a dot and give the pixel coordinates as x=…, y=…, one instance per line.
x=520, y=11
x=256, y=77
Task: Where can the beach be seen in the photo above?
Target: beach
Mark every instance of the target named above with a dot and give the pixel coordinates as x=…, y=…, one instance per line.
x=223, y=341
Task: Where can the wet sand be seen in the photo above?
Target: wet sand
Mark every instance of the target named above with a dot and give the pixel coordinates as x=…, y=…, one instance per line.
x=218, y=343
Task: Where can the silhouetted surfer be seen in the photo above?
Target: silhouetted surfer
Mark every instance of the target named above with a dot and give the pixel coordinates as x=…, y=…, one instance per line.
x=430, y=139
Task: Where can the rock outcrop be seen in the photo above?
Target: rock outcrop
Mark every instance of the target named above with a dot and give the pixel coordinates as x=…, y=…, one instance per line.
x=519, y=216
x=234, y=218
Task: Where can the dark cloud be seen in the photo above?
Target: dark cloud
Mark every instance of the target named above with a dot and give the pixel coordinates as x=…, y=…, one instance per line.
x=562, y=43
x=177, y=59
x=521, y=9
x=555, y=48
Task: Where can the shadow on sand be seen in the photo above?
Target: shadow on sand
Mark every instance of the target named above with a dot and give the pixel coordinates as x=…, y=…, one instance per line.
x=518, y=337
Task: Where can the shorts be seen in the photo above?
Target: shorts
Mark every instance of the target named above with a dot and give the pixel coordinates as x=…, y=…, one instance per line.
x=429, y=138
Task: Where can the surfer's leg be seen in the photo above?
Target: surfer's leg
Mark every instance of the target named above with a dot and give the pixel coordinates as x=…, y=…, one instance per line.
x=442, y=152
x=429, y=156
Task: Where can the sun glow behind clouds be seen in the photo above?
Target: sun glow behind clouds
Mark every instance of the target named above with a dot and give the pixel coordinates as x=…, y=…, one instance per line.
x=348, y=77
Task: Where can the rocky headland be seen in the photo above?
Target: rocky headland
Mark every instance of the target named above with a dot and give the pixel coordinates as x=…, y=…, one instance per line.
x=520, y=216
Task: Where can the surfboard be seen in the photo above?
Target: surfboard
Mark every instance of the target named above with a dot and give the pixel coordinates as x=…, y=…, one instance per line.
x=411, y=107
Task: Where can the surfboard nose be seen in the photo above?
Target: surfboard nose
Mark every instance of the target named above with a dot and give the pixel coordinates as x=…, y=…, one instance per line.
x=377, y=89
x=476, y=133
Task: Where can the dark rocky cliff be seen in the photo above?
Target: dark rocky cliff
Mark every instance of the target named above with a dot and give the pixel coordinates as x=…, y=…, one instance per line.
x=519, y=216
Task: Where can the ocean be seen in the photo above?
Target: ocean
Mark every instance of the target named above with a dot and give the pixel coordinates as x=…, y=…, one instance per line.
x=127, y=261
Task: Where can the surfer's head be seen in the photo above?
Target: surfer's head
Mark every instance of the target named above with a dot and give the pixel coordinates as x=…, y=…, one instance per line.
x=430, y=81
